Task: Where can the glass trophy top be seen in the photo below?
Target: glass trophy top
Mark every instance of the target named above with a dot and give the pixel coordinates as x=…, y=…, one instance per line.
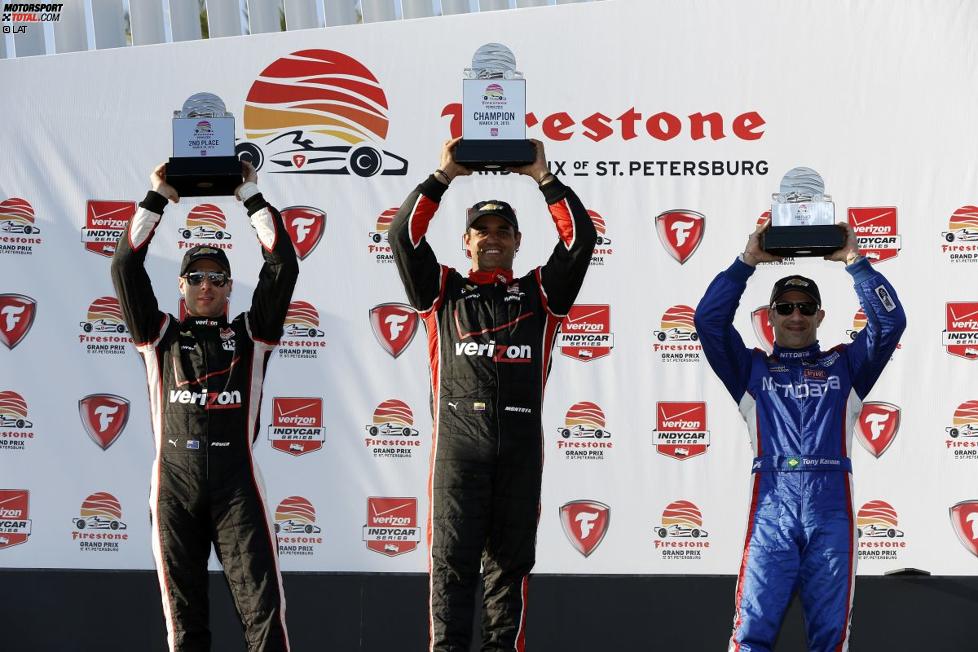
x=202, y=105
x=801, y=184
x=493, y=61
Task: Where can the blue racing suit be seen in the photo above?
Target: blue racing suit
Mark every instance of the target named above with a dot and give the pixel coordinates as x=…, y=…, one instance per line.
x=800, y=406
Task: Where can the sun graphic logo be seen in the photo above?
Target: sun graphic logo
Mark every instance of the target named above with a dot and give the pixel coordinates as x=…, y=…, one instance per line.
x=602, y=248
x=391, y=433
x=876, y=527
x=295, y=527
x=961, y=238
x=301, y=336
x=584, y=434
x=961, y=437
x=203, y=128
x=205, y=223
x=104, y=330
x=99, y=526
x=318, y=112
x=15, y=428
x=378, y=247
x=18, y=232
x=679, y=535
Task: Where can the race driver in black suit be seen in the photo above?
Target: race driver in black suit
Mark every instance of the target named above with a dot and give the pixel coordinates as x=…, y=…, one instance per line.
x=205, y=378
x=490, y=337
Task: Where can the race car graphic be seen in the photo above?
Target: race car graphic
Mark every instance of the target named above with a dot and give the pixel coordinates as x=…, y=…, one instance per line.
x=13, y=411
x=98, y=522
x=877, y=531
x=392, y=418
x=677, y=325
x=679, y=530
x=676, y=335
x=297, y=527
x=383, y=225
x=204, y=233
x=11, y=226
x=877, y=519
x=584, y=420
x=681, y=519
x=301, y=330
x=103, y=326
x=391, y=430
x=296, y=152
x=581, y=431
x=964, y=235
x=17, y=217
x=8, y=421
x=967, y=430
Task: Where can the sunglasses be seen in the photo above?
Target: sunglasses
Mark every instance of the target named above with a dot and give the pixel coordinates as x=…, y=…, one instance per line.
x=807, y=308
x=217, y=279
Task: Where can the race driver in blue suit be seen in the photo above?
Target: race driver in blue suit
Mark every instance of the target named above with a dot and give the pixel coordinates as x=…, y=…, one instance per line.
x=800, y=404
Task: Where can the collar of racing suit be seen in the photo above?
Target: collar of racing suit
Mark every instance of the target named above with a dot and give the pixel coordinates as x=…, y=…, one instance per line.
x=480, y=277
x=786, y=355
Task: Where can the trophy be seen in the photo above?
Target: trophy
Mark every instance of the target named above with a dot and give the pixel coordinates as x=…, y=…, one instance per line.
x=802, y=217
x=494, y=112
x=204, y=163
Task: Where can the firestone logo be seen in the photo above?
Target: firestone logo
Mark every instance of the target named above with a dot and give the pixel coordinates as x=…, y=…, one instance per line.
x=879, y=536
x=15, y=522
x=99, y=526
x=18, y=232
x=105, y=222
x=961, y=437
x=676, y=338
x=960, y=241
x=585, y=524
x=760, y=320
x=302, y=338
x=602, y=249
x=877, y=426
x=876, y=232
x=297, y=425
x=318, y=112
x=681, y=431
x=584, y=434
x=205, y=224
x=378, y=247
x=680, y=231
x=104, y=331
x=964, y=522
x=679, y=535
x=960, y=336
x=296, y=529
x=585, y=333
x=392, y=525
x=391, y=432
x=17, y=312
x=15, y=428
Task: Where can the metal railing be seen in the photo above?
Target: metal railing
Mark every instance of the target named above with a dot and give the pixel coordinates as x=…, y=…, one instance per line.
x=100, y=24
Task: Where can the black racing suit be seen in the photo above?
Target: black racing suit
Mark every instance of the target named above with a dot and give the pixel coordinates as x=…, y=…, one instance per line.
x=489, y=340
x=205, y=383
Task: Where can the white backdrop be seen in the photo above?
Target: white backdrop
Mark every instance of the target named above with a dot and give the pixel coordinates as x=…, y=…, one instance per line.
x=877, y=96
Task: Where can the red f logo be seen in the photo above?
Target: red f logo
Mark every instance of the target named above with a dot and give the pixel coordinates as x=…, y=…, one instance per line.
x=585, y=523
x=394, y=326
x=680, y=232
x=104, y=416
x=877, y=426
x=16, y=318
x=306, y=226
x=964, y=520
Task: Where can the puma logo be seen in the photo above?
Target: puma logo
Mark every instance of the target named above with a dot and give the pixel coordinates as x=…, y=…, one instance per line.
x=454, y=406
x=173, y=442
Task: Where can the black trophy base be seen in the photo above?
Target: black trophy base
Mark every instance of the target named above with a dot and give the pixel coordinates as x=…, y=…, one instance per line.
x=802, y=241
x=204, y=177
x=494, y=154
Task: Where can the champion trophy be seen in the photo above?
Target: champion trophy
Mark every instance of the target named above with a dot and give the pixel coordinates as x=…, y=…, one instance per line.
x=204, y=163
x=802, y=217
x=494, y=112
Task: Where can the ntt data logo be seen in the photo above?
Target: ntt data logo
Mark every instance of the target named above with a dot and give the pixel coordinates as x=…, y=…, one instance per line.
x=681, y=431
x=392, y=525
x=103, y=331
x=960, y=241
x=880, y=538
x=961, y=437
x=318, y=112
x=584, y=434
x=205, y=224
x=679, y=535
x=302, y=338
x=378, y=248
x=296, y=529
x=16, y=429
x=18, y=232
x=676, y=340
x=585, y=333
x=15, y=522
x=391, y=432
x=297, y=425
x=99, y=527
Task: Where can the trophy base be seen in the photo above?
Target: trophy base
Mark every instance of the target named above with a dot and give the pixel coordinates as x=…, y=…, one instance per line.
x=802, y=241
x=204, y=177
x=494, y=154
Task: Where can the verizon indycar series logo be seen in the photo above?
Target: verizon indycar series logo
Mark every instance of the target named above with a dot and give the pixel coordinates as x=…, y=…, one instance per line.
x=961, y=333
x=585, y=524
x=99, y=526
x=296, y=529
x=105, y=221
x=961, y=437
x=392, y=525
x=16, y=429
x=205, y=224
x=964, y=522
x=876, y=232
x=879, y=536
x=681, y=431
x=318, y=112
x=18, y=232
x=305, y=226
x=760, y=321
x=394, y=326
x=302, y=338
x=680, y=231
x=378, y=247
x=391, y=433
x=676, y=339
x=877, y=426
x=584, y=435
x=17, y=312
x=585, y=333
x=104, y=417
x=680, y=534
x=602, y=249
x=104, y=331
x=297, y=425
x=960, y=241
x=15, y=522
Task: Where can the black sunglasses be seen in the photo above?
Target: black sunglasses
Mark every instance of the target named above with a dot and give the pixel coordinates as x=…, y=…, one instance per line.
x=217, y=279
x=807, y=308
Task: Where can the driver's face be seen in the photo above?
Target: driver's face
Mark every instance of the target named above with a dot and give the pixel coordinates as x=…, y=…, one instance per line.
x=492, y=242
x=206, y=299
